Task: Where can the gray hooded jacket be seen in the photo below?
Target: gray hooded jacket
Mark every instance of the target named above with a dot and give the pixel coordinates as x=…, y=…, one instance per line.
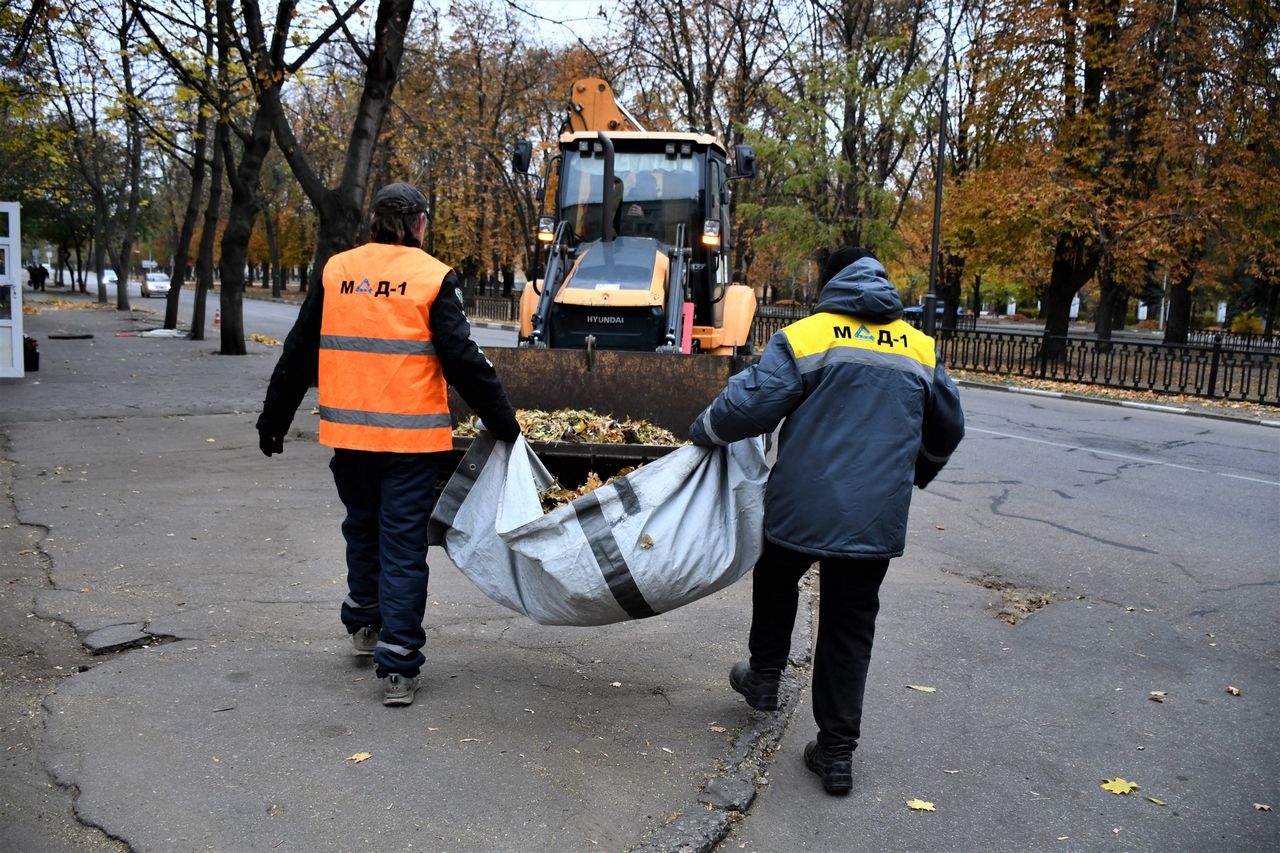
x=868, y=409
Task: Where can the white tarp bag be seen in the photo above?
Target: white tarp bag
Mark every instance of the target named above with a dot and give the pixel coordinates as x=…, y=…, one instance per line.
x=666, y=534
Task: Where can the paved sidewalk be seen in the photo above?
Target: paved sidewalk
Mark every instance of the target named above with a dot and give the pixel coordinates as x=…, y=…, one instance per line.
x=225, y=712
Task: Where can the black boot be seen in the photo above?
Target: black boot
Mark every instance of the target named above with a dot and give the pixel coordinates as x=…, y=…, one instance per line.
x=833, y=763
x=759, y=686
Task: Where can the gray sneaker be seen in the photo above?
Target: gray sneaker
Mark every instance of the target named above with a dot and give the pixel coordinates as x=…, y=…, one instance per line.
x=364, y=641
x=398, y=689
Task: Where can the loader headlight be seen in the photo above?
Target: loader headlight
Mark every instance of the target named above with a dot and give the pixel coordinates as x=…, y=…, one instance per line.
x=546, y=228
x=711, y=232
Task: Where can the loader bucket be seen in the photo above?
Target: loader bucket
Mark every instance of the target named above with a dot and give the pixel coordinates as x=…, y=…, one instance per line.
x=666, y=389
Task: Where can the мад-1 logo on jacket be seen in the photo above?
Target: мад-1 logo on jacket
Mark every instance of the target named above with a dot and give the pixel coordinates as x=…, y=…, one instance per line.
x=385, y=288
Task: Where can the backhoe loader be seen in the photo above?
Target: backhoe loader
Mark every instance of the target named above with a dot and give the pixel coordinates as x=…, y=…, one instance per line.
x=636, y=315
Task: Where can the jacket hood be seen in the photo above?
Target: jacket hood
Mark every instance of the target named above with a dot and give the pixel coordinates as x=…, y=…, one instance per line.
x=862, y=289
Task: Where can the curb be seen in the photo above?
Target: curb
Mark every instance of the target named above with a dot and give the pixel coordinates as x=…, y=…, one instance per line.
x=730, y=790
x=1129, y=404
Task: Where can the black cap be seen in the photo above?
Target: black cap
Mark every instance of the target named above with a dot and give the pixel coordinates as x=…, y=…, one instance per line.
x=840, y=259
x=399, y=198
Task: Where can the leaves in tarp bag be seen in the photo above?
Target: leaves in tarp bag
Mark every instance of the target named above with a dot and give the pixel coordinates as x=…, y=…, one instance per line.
x=1119, y=786
x=556, y=495
x=920, y=805
x=580, y=426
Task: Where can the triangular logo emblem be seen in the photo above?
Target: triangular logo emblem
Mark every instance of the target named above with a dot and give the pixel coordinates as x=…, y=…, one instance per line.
x=864, y=334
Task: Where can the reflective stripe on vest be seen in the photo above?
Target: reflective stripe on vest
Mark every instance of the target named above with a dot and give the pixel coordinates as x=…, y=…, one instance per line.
x=381, y=385
x=824, y=339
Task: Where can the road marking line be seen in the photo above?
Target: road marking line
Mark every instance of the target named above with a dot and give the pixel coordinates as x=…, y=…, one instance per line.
x=1144, y=460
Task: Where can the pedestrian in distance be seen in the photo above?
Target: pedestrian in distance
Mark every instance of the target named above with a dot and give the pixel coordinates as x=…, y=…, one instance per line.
x=386, y=334
x=39, y=275
x=867, y=410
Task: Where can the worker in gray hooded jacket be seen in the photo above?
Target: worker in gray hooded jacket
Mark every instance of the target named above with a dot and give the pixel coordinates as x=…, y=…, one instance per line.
x=867, y=411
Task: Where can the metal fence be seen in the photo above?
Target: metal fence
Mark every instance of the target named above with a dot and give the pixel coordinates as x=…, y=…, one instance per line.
x=499, y=309
x=1213, y=371
x=1249, y=342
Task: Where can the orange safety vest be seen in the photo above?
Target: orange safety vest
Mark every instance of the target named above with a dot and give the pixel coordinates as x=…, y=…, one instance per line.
x=381, y=385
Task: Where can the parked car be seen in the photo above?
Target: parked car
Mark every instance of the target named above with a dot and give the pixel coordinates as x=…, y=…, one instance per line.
x=155, y=282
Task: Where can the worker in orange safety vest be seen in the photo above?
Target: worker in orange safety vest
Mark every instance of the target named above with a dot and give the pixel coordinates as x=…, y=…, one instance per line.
x=386, y=334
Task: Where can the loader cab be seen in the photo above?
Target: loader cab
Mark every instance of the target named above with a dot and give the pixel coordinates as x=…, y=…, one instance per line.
x=662, y=181
x=652, y=273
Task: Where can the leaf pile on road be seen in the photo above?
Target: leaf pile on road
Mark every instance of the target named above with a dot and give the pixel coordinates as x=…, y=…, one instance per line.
x=1081, y=390
x=56, y=304
x=581, y=426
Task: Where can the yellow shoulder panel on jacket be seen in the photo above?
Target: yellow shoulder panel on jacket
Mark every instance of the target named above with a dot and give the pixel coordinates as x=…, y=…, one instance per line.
x=822, y=332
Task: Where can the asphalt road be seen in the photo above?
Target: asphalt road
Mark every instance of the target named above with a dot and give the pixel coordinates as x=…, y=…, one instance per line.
x=138, y=489
x=1154, y=537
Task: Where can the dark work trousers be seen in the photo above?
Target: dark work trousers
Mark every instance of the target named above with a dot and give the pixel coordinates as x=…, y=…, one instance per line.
x=388, y=497
x=848, y=601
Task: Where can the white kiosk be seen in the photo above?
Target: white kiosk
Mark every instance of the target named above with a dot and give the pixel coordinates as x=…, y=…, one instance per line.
x=11, y=355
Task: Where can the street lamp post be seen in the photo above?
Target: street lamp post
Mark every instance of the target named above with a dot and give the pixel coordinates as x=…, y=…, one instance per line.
x=930, y=319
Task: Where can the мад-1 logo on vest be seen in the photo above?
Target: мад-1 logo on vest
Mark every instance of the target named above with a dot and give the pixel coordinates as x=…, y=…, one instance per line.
x=604, y=318
x=352, y=287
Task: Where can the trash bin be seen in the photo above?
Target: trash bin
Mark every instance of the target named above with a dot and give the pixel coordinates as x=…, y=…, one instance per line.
x=30, y=354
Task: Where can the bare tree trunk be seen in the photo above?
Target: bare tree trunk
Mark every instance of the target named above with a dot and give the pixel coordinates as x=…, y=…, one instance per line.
x=188, y=223
x=208, y=233
x=950, y=291
x=1075, y=259
x=271, y=222
x=340, y=210
x=1179, y=322
x=235, y=239
x=1269, y=320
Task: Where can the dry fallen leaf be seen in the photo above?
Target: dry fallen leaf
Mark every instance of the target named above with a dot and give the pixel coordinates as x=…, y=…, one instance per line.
x=719, y=729
x=940, y=527
x=1157, y=802
x=360, y=756
x=470, y=740
x=617, y=684
x=922, y=689
x=1261, y=807
x=211, y=439
x=646, y=541
x=1235, y=691
x=1156, y=697
x=920, y=805
x=1119, y=786
x=25, y=551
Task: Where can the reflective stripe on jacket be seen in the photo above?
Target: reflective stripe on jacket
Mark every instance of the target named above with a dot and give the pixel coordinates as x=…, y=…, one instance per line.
x=381, y=384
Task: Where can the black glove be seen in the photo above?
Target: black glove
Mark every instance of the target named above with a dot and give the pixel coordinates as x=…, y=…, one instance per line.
x=270, y=442
x=926, y=470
